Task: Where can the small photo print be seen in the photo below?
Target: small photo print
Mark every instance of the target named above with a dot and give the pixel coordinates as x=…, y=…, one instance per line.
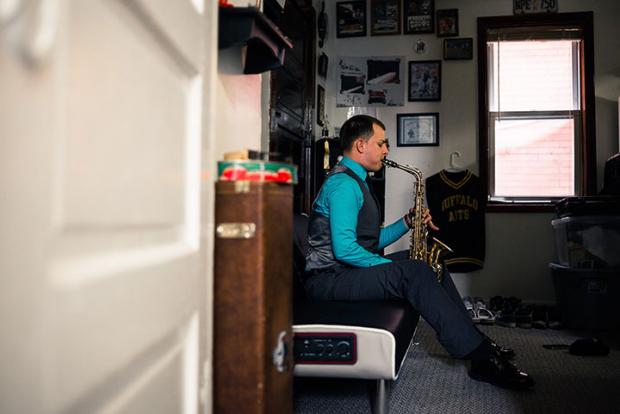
x=383, y=71
x=425, y=80
x=351, y=18
x=447, y=22
x=352, y=84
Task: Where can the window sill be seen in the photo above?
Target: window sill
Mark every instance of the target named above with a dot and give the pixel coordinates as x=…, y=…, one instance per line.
x=499, y=207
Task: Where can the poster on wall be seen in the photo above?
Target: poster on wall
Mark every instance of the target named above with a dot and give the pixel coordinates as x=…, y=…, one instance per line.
x=370, y=81
x=534, y=6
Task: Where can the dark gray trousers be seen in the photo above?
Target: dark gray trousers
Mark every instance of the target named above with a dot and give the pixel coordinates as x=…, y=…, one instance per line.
x=439, y=304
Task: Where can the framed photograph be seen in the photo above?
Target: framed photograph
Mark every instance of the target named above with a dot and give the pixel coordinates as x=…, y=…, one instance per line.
x=351, y=18
x=456, y=49
x=418, y=16
x=418, y=130
x=384, y=17
x=425, y=80
x=322, y=65
x=447, y=22
x=320, y=105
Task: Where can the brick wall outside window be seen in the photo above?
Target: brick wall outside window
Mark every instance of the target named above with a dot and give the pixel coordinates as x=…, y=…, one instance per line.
x=534, y=157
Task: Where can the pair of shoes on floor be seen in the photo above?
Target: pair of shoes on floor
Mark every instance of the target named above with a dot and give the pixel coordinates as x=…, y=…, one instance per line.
x=506, y=320
x=501, y=372
x=506, y=305
x=478, y=310
x=523, y=316
x=528, y=316
x=510, y=312
x=545, y=316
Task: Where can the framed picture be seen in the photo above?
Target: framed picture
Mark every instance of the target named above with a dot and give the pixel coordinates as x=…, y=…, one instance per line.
x=320, y=105
x=384, y=17
x=447, y=22
x=425, y=80
x=351, y=18
x=456, y=49
x=322, y=65
x=418, y=130
x=418, y=16
x=370, y=81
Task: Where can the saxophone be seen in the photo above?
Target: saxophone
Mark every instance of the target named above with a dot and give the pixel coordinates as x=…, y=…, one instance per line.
x=430, y=252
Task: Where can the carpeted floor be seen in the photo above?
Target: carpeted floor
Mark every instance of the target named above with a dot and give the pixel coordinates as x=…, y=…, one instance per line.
x=432, y=382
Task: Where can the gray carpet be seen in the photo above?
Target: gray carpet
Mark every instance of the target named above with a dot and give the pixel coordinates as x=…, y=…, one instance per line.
x=432, y=382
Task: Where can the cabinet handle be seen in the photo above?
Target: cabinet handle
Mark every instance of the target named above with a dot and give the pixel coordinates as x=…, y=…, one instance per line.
x=236, y=230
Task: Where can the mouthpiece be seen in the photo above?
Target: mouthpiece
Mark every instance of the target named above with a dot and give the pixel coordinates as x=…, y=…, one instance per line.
x=389, y=163
x=407, y=168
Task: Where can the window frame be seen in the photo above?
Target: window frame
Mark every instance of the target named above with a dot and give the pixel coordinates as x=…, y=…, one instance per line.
x=586, y=175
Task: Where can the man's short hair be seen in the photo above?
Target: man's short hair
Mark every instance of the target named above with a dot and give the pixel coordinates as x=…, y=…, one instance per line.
x=358, y=126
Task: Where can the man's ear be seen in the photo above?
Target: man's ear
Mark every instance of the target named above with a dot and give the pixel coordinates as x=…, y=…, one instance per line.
x=359, y=145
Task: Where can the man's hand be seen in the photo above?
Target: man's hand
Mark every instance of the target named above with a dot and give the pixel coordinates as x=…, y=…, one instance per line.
x=426, y=218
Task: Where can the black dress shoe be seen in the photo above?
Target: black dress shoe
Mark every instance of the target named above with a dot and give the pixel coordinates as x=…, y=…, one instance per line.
x=503, y=351
x=501, y=372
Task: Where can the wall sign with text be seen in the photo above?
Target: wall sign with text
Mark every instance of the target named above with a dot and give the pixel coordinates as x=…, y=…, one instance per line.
x=534, y=6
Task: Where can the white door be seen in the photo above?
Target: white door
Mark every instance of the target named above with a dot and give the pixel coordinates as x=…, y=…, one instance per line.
x=102, y=261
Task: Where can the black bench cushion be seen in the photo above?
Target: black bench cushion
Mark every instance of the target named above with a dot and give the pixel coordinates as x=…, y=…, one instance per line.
x=395, y=316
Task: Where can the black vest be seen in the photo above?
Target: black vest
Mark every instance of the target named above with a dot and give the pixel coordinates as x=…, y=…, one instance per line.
x=320, y=255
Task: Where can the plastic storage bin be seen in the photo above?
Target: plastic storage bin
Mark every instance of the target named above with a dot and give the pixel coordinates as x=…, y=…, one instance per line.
x=588, y=298
x=588, y=241
x=588, y=206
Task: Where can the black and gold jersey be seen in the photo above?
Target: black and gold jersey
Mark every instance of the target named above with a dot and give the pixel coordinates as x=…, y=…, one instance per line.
x=457, y=203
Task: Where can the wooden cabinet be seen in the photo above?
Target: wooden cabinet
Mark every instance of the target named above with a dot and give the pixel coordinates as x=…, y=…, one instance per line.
x=253, y=298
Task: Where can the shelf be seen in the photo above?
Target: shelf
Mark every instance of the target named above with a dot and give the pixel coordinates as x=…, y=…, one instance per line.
x=266, y=44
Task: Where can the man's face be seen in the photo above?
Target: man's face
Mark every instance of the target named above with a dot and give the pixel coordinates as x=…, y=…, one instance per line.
x=375, y=149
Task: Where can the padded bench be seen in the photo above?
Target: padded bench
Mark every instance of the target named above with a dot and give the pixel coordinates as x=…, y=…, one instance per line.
x=364, y=339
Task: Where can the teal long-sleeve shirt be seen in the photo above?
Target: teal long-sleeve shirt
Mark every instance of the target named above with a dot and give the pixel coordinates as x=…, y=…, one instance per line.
x=340, y=200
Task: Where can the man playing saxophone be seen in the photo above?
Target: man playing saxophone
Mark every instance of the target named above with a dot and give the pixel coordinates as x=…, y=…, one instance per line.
x=343, y=263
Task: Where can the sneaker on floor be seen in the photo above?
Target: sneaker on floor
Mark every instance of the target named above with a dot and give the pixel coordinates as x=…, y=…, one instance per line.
x=496, y=303
x=555, y=321
x=506, y=320
x=540, y=317
x=523, y=317
x=511, y=304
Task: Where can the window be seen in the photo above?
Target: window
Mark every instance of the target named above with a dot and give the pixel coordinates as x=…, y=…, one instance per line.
x=536, y=114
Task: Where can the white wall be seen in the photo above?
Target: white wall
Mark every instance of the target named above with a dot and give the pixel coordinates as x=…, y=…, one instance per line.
x=238, y=114
x=519, y=245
